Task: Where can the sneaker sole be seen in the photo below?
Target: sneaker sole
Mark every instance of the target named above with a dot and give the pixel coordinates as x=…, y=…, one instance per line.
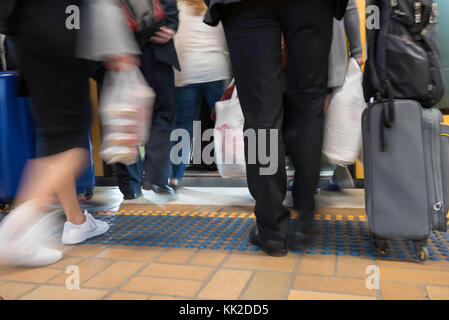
x=89, y=236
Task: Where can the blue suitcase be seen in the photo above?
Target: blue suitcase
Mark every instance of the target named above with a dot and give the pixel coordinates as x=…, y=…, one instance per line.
x=85, y=184
x=18, y=141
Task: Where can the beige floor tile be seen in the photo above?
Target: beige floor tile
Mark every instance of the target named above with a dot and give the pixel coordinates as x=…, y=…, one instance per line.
x=267, y=286
x=401, y=291
x=210, y=208
x=163, y=286
x=317, y=264
x=136, y=254
x=436, y=293
x=178, y=256
x=428, y=265
x=88, y=268
x=315, y=295
x=226, y=285
x=209, y=258
x=84, y=250
x=177, y=271
x=165, y=298
x=353, y=267
x=11, y=291
x=412, y=275
x=120, y=295
x=65, y=262
x=332, y=284
x=114, y=275
x=261, y=262
x=48, y=292
x=35, y=275
x=237, y=209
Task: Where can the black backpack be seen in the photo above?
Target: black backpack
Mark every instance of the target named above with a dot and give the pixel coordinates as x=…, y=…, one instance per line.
x=404, y=60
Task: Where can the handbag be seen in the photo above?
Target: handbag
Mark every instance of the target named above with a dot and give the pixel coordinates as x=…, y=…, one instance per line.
x=7, y=14
x=144, y=17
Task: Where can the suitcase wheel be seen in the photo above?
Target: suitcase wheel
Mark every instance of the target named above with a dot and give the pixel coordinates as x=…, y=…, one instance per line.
x=5, y=205
x=89, y=193
x=382, y=248
x=422, y=252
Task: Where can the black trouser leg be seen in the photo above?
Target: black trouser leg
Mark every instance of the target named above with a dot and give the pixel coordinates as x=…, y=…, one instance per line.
x=253, y=34
x=307, y=27
x=160, y=77
x=253, y=30
x=129, y=178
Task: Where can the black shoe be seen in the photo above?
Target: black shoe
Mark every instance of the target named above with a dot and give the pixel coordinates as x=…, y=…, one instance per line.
x=132, y=196
x=159, y=189
x=275, y=248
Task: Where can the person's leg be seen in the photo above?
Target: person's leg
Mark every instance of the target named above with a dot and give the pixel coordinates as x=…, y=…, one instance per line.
x=160, y=77
x=253, y=34
x=307, y=27
x=187, y=100
x=44, y=177
x=212, y=92
x=129, y=179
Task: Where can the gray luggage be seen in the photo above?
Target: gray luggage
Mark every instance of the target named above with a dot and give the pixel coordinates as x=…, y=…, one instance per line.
x=406, y=164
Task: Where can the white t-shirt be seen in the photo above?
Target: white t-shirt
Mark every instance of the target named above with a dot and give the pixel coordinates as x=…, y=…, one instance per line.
x=202, y=50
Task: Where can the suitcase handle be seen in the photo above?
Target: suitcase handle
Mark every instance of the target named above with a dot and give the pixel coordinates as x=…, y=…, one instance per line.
x=387, y=117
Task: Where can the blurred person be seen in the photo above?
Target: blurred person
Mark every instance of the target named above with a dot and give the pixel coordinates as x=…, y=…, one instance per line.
x=253, y=31
x=205, y=70
x=338, y=63
x=157, y=61
x=58, y=83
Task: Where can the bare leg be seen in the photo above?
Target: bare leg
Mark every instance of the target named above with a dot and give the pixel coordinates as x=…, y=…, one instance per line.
x=45, y=177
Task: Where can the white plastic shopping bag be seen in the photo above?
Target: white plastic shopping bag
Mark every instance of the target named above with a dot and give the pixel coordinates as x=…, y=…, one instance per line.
x=343, y=119
x=228, y=137
x=126, y=108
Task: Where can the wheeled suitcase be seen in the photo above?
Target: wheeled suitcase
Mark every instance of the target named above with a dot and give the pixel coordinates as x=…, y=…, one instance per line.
x=406, y=164
x=18, y=141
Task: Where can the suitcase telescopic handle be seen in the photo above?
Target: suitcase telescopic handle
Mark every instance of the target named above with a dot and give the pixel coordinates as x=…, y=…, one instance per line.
x=388, y=114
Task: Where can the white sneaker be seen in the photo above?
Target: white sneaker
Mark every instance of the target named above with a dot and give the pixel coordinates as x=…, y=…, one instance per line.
x=74, y=234
x=26, y=250
x=27, y=253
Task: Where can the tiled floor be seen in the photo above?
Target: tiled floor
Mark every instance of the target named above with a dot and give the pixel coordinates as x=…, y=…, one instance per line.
x=143, y=272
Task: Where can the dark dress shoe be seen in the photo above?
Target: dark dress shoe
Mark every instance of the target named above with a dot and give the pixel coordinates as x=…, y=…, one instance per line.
x=159, y=189
x=132, y=196
x=275, y=248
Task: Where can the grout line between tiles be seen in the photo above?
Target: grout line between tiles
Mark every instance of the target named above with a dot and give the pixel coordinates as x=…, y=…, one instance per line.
x=293, y=277
x=245, y=287
x=145, y=265
x=217, y=268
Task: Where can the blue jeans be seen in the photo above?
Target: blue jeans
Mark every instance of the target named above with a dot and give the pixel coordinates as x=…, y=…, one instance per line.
x=187, y=100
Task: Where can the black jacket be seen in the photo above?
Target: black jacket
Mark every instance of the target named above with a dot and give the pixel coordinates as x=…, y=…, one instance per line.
x=213, y=13
x=166, y=53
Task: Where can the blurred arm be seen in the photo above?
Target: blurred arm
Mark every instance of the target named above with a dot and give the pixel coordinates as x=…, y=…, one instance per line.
x=352, y=27
x=105, y=33
x=171, y=14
